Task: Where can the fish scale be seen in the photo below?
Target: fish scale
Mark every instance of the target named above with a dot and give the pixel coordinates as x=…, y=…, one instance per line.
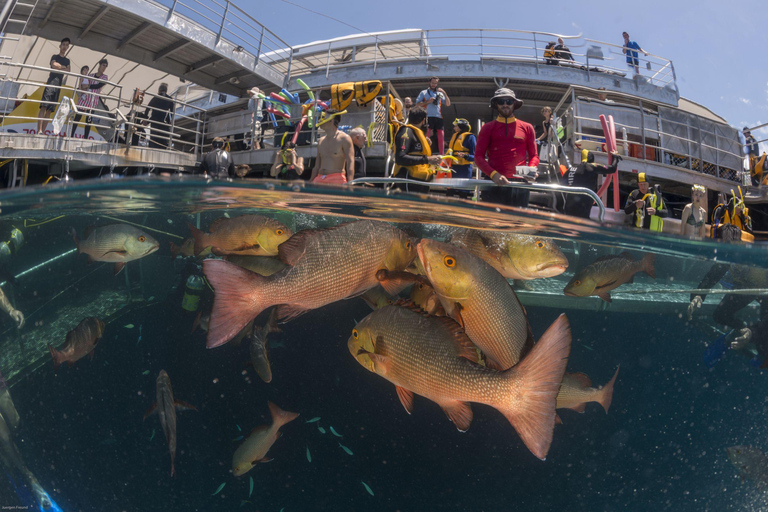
x=422, y=355
x=336, y=263
x=491, y=313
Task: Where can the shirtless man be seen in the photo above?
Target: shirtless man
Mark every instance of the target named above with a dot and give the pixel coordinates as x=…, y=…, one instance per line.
x=335, y=153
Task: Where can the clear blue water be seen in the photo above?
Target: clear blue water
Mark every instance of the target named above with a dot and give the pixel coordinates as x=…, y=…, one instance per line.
x=661, y=447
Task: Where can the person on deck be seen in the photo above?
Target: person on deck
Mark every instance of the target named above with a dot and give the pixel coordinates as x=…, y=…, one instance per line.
x=504, y=144
x=52, y=91
x=89, y=99
x=630, y=49
x=462, y=147
x=648, y=208
x=693, y=221
x=218, y=162
x=335, y=162
x=585, y=175
x=413, y=153
x=433, y=99
x=287, y=165
x=359, y=139
x=160, y=112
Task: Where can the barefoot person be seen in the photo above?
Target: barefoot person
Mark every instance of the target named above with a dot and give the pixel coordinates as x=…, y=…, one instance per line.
x=335, y=161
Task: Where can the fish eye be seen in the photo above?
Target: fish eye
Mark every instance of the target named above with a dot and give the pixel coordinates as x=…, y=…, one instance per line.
x=577, y=282
x=407, y=244
x=279, y=232
x=421, y=286
x=449, y=261
x=355, y=334
x=142, y=239
x=539, y=244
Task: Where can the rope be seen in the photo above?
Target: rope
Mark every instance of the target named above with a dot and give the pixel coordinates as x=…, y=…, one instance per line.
x=41, y=223
x=702, y=291
x=143, y=227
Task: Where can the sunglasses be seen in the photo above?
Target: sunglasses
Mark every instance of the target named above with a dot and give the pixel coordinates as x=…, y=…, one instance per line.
x=505, y=101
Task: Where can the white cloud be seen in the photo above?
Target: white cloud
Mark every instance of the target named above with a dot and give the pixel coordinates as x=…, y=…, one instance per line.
x=745, y=101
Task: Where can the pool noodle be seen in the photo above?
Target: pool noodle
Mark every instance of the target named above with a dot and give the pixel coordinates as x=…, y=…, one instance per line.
x=610, y=144
x=279, y=98
x=293, y=97
x=272, y=118
x=306, y=88
x=299, y=126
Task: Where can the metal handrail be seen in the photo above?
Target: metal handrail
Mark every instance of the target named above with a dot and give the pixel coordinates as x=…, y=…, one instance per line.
x=470, y=184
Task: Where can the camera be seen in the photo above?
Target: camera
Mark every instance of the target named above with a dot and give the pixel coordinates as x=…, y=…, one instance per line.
x=436, y=101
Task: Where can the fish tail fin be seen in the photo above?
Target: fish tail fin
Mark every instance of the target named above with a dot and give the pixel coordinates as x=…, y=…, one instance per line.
x=238, y=299
x=173, y=469
x=648, y=265
x=606, y=392
x=57, y=357
x=281, y=417
x=535, y=382
x=199, y=237
x=75, y=238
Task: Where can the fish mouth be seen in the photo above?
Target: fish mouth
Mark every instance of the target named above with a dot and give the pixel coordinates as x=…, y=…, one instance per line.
x=423, y=258
x=569, y=293
x=551, y=269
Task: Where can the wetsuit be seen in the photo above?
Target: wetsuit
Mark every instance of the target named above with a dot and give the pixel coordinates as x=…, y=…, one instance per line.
x=411, y=153
x=585, y=175
x=359, y=163
x=502, y=145
x=159, y=112
x=218, y=163
x=743, y=277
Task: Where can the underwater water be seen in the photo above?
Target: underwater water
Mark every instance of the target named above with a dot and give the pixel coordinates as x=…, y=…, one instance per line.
x=661, y=446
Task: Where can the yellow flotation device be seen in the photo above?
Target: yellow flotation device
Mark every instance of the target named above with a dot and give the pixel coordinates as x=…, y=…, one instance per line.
x=457, y=146
x=362, y=92
x=758, y=170
x=657, y=223
x=423, y=172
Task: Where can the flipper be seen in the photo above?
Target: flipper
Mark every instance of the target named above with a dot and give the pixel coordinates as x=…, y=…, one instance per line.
x=716, y=350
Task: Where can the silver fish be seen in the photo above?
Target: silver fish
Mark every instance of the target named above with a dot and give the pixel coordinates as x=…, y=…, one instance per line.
x=116, y=243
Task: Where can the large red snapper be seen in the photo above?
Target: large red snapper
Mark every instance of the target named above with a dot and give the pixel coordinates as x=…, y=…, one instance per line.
x=515, y=256
x=480, y=299
x=324, y=266
x=246, y=235
x=432, y=357
x=117, y=243
x=79, y=343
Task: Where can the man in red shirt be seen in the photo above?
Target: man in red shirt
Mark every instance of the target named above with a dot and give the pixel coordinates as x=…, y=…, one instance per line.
x=504, y=144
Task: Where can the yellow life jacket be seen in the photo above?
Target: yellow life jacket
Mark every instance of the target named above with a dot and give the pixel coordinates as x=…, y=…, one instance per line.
x=759, y=168
x=395, y=109
x=549, y=51
x=423, y=172
x=657, y=223
x=366, y=92
x=457, y=146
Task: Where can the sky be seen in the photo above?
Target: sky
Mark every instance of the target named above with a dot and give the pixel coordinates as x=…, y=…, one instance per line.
x=718, y=48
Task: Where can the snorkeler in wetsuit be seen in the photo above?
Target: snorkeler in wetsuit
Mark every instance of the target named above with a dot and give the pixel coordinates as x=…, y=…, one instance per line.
x=13, y=464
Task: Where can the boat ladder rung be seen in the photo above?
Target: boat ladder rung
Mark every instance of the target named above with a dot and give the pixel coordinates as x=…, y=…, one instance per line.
x=22, y=4
x=7, y=38
x=11, y=20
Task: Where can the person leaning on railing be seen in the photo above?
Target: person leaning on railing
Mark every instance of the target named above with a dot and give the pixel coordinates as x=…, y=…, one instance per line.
x=89, y=98
x=159, y=113
x=504, y=144
x=52, y=91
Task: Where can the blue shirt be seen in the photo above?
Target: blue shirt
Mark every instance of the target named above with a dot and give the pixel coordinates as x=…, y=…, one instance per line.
x=631, y=55
x=432, y=109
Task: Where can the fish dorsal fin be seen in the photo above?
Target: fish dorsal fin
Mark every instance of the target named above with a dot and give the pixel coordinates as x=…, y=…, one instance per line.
x=406, y=398
x=410, y=305
x=216, y=224
x=627, y=256
x=467, y=349
x=580, y=378
x=184, y=406
x=608, y=257
x=460, y=413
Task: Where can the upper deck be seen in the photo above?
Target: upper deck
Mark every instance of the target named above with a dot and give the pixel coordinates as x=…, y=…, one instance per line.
x=222, y=48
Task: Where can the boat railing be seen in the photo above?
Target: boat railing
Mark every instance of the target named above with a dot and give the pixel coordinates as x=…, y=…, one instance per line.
x=432, y=46
x=228, y=22
x=115, y=118
x=662, y=135
x=473, y=184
